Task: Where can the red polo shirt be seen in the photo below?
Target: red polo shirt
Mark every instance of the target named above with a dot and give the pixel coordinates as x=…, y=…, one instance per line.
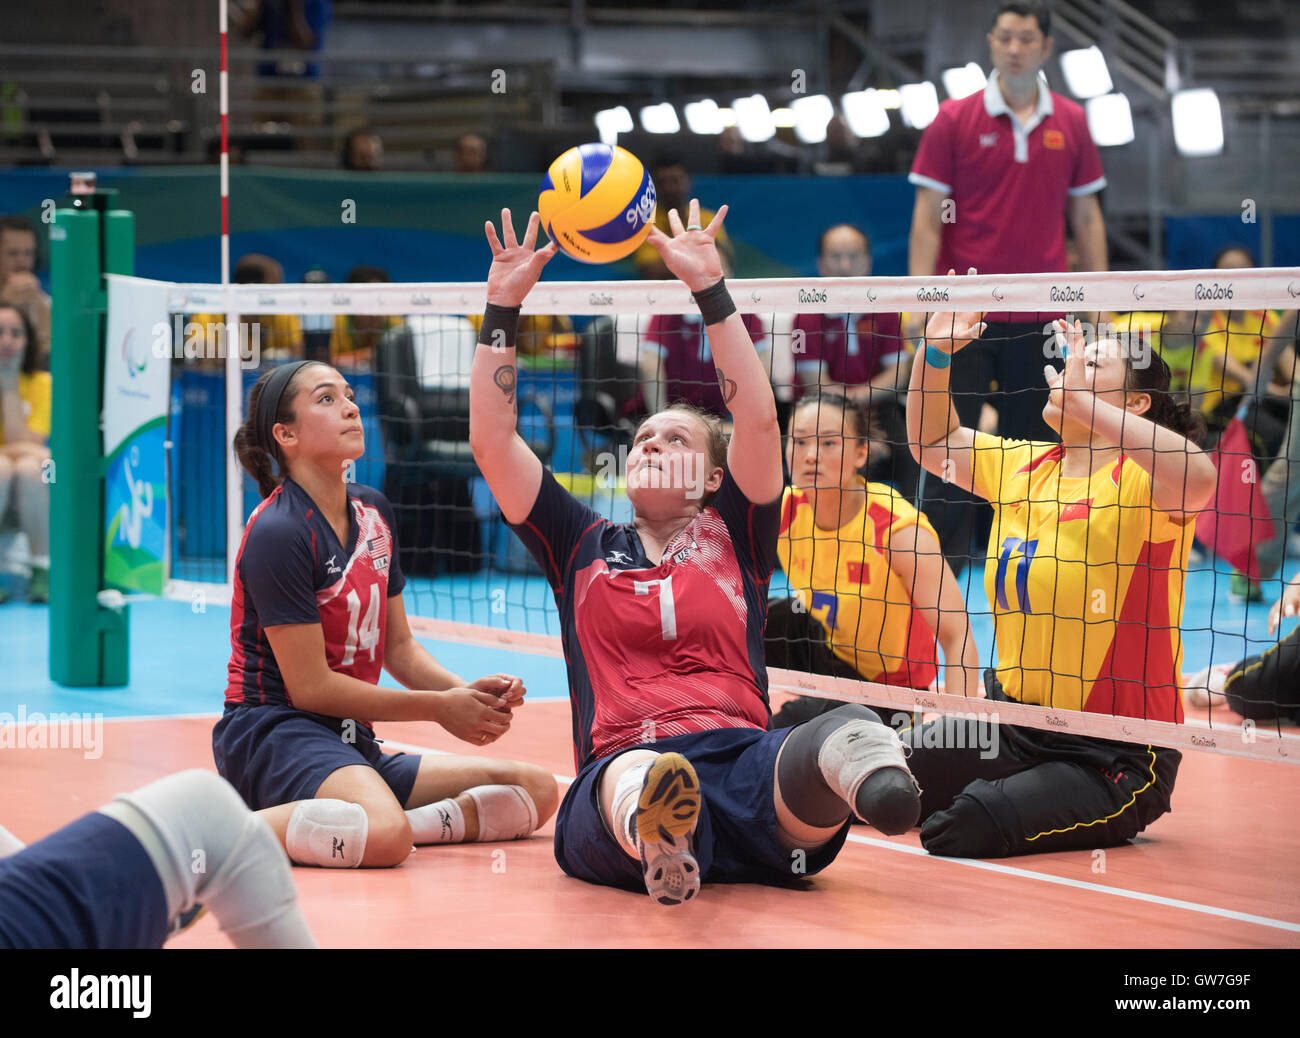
x=854, y=349
x=1009, y=183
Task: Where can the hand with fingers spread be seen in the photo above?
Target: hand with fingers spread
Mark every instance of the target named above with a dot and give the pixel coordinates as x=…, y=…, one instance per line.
x=692, y=252
x=515, y=266
x=949, y=332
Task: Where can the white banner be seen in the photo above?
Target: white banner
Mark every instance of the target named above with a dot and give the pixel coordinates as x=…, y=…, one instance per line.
x=1119, y=291
x=137, y=398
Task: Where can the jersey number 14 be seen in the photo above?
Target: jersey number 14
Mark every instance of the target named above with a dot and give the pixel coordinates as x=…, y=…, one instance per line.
x=364, y=635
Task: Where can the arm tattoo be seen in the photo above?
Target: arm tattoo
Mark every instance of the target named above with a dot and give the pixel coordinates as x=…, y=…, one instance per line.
x=728, y=387
x=505, y=380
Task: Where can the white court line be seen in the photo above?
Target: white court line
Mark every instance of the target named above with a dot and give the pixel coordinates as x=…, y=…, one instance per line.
x=1009, y=870
x=889, y=845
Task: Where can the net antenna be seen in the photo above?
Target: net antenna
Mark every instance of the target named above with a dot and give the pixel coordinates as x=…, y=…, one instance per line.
x=234, y=379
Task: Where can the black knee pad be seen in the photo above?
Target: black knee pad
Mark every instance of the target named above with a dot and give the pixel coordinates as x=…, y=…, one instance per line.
x=803, y=788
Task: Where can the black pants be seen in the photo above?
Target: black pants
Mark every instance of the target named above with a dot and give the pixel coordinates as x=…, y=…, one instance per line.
x=994, y=791
x=1003, y=368
x=1267, y=686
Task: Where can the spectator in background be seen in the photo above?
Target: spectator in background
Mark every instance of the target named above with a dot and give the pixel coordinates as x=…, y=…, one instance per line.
x=471, y=154
x=278, y=336
x=355, y=339
x=673, y=191
x=287, y=90
x=363, y=150
x=19, y=285
x=25, y=393
x=862, y=356
x=1227, y=364
x=675, y=363
x=998, y=175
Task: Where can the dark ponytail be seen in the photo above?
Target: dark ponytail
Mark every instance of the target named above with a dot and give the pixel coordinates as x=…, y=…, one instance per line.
x=260, y=460
x=1172, y=412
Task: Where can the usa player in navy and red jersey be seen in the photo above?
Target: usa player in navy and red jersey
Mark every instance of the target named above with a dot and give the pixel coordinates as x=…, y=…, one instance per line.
x=678, y=778
x=316, y=613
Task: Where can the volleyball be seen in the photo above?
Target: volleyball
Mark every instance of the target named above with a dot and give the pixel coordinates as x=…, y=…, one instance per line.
x=597, y=201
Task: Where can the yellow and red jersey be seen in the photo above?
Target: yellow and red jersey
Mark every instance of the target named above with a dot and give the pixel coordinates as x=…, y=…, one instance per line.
x=844, y=581
x=1085, y=578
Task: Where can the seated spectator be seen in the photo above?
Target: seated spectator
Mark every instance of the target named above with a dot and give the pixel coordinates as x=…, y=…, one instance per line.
x=471, y=154
x=25, y=393
x=672, y=191
x=19, y=285
x=1228, y=354
x=674, y=361
x=356, y=336
x=862, y=356
x=363, y=150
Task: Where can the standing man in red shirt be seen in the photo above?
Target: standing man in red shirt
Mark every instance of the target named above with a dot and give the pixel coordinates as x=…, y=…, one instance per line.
x=997, y=176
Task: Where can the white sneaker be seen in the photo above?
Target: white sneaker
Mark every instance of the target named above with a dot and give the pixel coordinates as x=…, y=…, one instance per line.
x=1206, y=683
x=666, y=815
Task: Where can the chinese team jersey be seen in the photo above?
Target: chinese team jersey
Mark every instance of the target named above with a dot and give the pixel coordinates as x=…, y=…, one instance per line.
x=291, y=569
x=844, y=581
x=686, y=360
x=1085, y=578
x=657, y=651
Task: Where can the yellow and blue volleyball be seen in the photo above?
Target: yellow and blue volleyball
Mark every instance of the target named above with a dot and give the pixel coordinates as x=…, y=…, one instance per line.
x=597, y=201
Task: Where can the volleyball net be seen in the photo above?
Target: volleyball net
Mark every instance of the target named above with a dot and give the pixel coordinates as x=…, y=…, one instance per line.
x=593, y=358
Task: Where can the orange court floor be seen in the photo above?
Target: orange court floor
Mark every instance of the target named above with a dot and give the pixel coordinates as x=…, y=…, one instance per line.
x=1219, y=871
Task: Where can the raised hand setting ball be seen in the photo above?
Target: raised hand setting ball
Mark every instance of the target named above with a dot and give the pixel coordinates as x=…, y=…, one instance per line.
x=598, y=202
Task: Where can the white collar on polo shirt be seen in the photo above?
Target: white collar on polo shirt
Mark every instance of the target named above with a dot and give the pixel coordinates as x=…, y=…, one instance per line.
x=995, y=104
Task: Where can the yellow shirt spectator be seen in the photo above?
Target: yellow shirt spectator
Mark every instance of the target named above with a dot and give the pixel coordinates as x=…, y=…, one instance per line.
x=34, y=393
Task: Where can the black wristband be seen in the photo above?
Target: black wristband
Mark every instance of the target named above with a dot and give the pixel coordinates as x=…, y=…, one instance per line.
x=500, y=327
x=715, y=303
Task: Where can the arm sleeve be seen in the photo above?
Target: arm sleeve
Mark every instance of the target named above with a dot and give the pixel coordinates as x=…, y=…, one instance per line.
x=933, y=166
x=553, y=529
x=753, y=528
x=278, y=569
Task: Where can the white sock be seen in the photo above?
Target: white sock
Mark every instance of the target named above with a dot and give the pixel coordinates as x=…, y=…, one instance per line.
x=9, y=843
x=443, y=822
x=627, y=791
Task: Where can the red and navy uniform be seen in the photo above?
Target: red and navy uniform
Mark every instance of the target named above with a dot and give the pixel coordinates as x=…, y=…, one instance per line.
x=292, y=569
x=668, y=657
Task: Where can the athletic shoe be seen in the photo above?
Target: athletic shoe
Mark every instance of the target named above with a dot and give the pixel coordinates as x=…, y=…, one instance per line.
x=666, y=815
x=1204, y=684
x=1241, y=589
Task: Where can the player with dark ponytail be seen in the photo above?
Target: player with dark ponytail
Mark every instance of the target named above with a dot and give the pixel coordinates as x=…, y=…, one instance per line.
x=316, y=613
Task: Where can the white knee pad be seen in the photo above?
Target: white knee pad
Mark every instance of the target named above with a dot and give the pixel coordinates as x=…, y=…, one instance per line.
x=854, y=752
x=9, y=843
x=504, y=812
x=329, y=833
x=208, y=847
